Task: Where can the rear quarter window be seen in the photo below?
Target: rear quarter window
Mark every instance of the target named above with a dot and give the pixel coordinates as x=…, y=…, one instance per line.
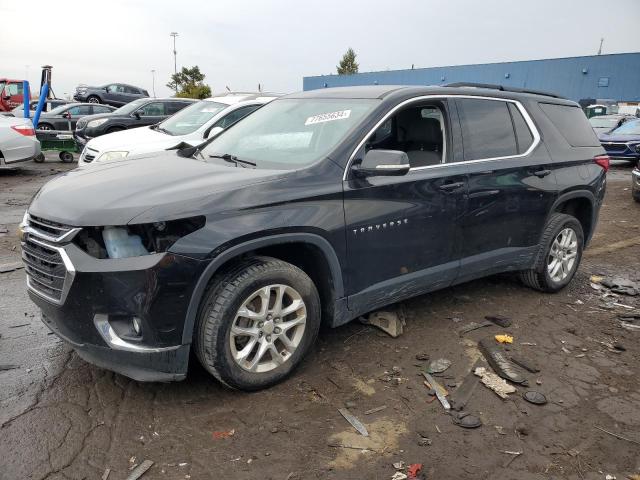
x=572, y=124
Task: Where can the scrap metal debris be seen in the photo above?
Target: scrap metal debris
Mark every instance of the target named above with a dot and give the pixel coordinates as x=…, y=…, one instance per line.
x=534, y=397
x=140, y=470
x=390, y=322
x=376, y=409
x=494, y=382
x=440, y=392
x=460, y=397
x=439, y=365
x=473, y=326
x=620, y=285
x=466, y=420
x=355, y=423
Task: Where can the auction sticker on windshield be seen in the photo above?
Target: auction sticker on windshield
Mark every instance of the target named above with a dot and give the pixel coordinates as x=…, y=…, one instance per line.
x=328, y=117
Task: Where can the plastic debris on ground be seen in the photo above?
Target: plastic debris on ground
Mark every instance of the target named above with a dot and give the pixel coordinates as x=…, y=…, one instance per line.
x=355, y=423
x=399, y=476
x=500, y=363
x=413, y=470
x=534, y=397
x=494, y=382
x=390, y=322
x=223, y=434
x=504, y=338
x=439, y=365
x=140, y=470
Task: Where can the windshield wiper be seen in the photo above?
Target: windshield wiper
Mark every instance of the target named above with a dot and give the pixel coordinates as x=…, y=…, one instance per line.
x=233, y=159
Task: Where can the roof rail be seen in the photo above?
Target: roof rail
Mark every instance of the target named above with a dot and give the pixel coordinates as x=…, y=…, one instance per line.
x=503, y=88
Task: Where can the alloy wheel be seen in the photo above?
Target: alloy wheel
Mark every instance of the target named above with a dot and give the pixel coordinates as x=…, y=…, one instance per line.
x=563, y=254
x=268, y=328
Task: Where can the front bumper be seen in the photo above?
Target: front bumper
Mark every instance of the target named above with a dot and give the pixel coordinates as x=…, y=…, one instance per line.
x=102, y=295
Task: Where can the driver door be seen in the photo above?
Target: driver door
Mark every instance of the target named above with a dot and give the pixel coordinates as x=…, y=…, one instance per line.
x=402, y=231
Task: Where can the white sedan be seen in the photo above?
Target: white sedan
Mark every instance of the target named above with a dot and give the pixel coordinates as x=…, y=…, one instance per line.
x=191, y=125
x=18, y=142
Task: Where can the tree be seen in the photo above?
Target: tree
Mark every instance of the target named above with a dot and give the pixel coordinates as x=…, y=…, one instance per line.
x=348, y=63
x=189, y=83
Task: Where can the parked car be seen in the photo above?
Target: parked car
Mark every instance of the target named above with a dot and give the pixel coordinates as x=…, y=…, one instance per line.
x=139, y=113
x=62, y=117
x=635, y=183
x=11, y=94
x=623, y=143
x=116, y=94
x=318, y=207
x=49, y=105
x=18, y=141
x=191, y=125
x=606, y=123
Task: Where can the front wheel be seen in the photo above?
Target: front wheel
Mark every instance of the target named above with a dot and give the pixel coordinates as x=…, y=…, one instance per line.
x=256, y=323
x=560, y=254
x=93, y=99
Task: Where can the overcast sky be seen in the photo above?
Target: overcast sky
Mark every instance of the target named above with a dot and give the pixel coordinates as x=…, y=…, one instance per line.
x=275, y=43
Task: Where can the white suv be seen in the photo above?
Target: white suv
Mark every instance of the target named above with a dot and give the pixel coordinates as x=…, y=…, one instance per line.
x=191, y=125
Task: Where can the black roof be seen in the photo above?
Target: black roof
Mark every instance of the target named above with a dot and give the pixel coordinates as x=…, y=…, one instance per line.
x=408, y=91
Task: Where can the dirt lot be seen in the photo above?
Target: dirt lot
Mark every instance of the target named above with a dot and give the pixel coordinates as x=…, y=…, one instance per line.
x=64, y=419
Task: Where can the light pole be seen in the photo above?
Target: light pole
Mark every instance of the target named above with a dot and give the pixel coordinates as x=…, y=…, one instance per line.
x=175, y=53
x=153, y=82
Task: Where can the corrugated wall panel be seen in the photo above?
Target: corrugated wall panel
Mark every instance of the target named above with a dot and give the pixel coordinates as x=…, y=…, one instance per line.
x=560, y=75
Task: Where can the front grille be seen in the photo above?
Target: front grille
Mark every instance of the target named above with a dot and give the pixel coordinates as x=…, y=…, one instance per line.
x=46, y=263
x=45, y=268
x=615, y=147
x=48, y=227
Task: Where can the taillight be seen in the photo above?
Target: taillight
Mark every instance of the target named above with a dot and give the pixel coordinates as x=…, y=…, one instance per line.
x=603, y=161
x=25, y=130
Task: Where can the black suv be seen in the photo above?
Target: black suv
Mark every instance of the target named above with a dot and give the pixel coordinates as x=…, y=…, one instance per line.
x=317, y=208
x=139, y=113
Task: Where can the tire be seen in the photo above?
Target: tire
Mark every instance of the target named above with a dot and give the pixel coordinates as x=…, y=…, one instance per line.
x=93, y=99
x=540, y=277
x=114, y=129
x=66, y=157
x=217, y=347
x=39, y=158
x=45, y=126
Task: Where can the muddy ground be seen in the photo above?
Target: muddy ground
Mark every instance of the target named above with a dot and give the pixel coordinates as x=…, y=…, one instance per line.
x=64, y=419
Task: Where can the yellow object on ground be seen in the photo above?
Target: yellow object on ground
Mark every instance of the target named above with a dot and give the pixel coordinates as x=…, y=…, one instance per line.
x=504, y=338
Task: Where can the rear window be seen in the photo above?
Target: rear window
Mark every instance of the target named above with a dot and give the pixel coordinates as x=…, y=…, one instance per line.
x=487, y=130
x=572, y=123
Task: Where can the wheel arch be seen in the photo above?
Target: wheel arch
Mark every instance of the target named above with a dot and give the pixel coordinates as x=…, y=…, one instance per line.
x=580, y=204
x=285, y=247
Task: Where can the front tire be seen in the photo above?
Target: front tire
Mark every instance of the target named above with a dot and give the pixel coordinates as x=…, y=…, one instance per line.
x=256, y=323
x=560, y=253
x=93, y=99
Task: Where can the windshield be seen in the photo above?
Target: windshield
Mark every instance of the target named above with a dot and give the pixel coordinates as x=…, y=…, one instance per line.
x=130, y=107
x=189, y=119
x=600, y=122
x=629, y=128
x=291, y=133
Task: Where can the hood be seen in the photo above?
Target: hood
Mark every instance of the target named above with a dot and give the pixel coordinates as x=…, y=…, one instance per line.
x=135, y=141
x=613, y=137
x=164, y=185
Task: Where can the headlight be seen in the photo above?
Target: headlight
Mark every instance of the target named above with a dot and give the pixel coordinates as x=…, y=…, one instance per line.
x=135, y=240
x=106, y=156
x=82, y=90
x=96, y=123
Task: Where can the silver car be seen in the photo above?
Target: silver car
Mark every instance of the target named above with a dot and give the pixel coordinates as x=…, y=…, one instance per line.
x=18, y=142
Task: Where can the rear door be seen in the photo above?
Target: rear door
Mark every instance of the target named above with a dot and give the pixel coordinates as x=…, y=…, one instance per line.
x=402, y=231
x=511, y=186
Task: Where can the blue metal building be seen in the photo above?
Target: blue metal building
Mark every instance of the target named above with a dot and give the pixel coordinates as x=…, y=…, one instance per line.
x=615, y=76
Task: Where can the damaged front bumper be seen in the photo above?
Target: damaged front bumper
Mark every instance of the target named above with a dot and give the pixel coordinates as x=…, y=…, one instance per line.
x=125, y=315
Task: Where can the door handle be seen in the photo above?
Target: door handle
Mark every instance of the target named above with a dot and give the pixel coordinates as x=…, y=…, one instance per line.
x=450, y=187
x=540, y=173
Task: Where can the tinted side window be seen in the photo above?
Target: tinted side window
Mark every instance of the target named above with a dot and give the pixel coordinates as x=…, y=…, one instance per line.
x=152, y=109
x=487, y=130
x=101, y=109
x=173, y=107
x=572, y=123
x=234, y=116
x=80, y=110
x=132, y=90
x=523, y=134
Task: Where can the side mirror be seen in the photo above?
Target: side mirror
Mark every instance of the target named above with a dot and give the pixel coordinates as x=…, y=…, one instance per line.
x=66, y=115
x=7, y=97
x=213, y=132
x=137, y=115
x=383, y=163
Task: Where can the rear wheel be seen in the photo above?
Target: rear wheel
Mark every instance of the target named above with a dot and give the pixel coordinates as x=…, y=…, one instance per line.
x=256, y=323
x=560, y=254
x=45, y=126
x=93, y=99
x=66, y=157
x=39, y=158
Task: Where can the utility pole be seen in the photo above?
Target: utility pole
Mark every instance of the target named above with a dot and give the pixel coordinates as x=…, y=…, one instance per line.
x=600, y=49
x=153, y=82
x=175, y=53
